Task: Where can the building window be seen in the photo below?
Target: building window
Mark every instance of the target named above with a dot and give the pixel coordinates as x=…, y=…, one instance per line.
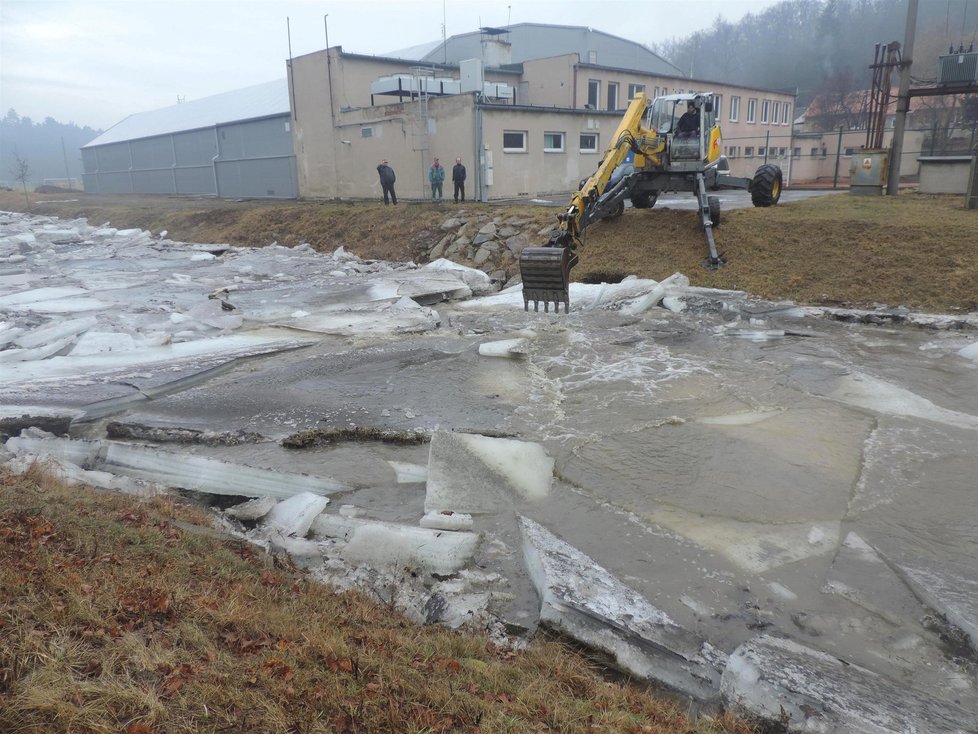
x=762, y=150
x=553, y=142
x=748, y=151
x=514, y=141
x=592, y=57
x=776, y=113
x=717, y=104
x=848, y=153
x=786, y=114
x=732, y=151
x=593, y=93
x=751, y=109
x=782, y=152
x=734, y=109
x=814, y=152
x=796, y=152
x=612, y=95
x=634, y=90
x=656, y=93
x=765, y=110
x=366, y=132
x=589, y=142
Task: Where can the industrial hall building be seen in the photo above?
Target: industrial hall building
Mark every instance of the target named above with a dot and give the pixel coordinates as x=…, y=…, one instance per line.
x=529, y=108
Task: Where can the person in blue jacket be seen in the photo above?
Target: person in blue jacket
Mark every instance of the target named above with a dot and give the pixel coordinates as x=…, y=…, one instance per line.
x=436, y=177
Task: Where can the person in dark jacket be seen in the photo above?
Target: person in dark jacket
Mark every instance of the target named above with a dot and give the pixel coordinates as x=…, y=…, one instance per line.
x=458, y=178
x=387, y=179
x=689, y=123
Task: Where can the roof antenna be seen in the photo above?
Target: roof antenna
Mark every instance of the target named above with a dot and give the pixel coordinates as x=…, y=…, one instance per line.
x=509, y=14
x=444, y=32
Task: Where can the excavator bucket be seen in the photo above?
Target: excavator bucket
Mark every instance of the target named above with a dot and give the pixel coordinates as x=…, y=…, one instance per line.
x=546, y=277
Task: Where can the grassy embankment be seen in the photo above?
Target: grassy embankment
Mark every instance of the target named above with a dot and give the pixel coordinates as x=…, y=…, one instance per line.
x=913, y=250
x=118, y=616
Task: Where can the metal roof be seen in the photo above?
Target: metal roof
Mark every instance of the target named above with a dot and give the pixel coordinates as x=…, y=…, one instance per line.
x=262, y=100
x=530, y=41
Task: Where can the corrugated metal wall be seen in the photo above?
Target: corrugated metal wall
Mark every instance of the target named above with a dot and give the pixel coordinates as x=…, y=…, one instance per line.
x=251, y=159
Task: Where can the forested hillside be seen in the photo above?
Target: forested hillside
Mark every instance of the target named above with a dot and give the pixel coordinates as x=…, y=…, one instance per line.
x=806, y=46
x=49, y=148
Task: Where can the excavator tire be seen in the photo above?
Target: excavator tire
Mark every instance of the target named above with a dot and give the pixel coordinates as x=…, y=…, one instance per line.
x=645, y=200
x=714, y=202
x=615, y=213
x=765, y=187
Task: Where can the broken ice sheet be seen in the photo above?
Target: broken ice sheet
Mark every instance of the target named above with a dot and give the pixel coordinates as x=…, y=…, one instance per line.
x=590, y=604
x=376, y=543
x=478, y=474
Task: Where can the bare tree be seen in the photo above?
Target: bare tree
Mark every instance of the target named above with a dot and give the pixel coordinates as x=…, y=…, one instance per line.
x=21, y=171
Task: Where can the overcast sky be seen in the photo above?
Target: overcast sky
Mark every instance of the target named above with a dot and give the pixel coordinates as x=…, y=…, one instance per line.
x=93, y=62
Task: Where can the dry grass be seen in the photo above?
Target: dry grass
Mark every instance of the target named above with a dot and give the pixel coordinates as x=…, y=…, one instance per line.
x=913, y=250
x=114, y=619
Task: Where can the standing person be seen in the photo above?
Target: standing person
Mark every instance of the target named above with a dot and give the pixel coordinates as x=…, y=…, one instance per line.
x=387, y=179
x=458, y=178
x=436, y=176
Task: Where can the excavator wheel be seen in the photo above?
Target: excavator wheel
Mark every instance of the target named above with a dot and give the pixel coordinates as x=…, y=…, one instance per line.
x=615, y=213
x=645, y=200
x=714, y=202
x=765, y=187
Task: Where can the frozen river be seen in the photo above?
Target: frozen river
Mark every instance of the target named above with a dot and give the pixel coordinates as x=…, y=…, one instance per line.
x=791, y=488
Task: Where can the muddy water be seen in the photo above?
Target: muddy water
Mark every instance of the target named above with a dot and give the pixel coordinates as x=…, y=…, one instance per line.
x=715, y=464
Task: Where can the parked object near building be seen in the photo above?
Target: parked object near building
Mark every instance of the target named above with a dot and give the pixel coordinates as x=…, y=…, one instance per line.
x=867, y=172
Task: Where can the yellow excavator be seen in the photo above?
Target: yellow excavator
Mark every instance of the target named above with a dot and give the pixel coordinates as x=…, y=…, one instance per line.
x=671, y=143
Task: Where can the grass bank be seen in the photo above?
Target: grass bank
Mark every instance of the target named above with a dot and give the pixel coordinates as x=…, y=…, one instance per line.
x=913, y=250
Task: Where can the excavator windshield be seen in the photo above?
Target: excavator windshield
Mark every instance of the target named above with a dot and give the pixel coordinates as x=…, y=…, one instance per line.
x=666, y=113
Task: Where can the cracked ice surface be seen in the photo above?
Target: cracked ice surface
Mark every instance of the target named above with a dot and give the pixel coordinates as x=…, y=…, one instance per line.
x=771, y=678
x=731, y=464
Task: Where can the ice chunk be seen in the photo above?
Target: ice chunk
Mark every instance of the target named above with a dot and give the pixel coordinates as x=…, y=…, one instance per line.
x=880, y=396
x=38, y=443
x=970, y=351
x=409, y=473
x=754, y=546
x=952, y=595
x=776, y=678
x=447, y=520
x=56, y=331
x=377, y=543
x=473, y=473
x=98, y=342
x=860, y=575
x=587, y=602
x=294, y=516
x=478, y=282
x=211, y=475
x=508, y=348
x=253, y=509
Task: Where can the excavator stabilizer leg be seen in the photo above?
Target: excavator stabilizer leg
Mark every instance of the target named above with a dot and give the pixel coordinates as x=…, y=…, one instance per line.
x=713, y=259
x=546, y=277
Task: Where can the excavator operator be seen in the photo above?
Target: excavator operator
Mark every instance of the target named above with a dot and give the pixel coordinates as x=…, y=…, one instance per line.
x=689, y=123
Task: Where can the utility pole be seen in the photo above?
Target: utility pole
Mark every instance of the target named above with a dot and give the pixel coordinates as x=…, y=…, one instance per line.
x=903, y=102
x=65, y=154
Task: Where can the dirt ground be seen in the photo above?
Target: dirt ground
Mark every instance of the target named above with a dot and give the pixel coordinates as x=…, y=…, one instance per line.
x=913, y=250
